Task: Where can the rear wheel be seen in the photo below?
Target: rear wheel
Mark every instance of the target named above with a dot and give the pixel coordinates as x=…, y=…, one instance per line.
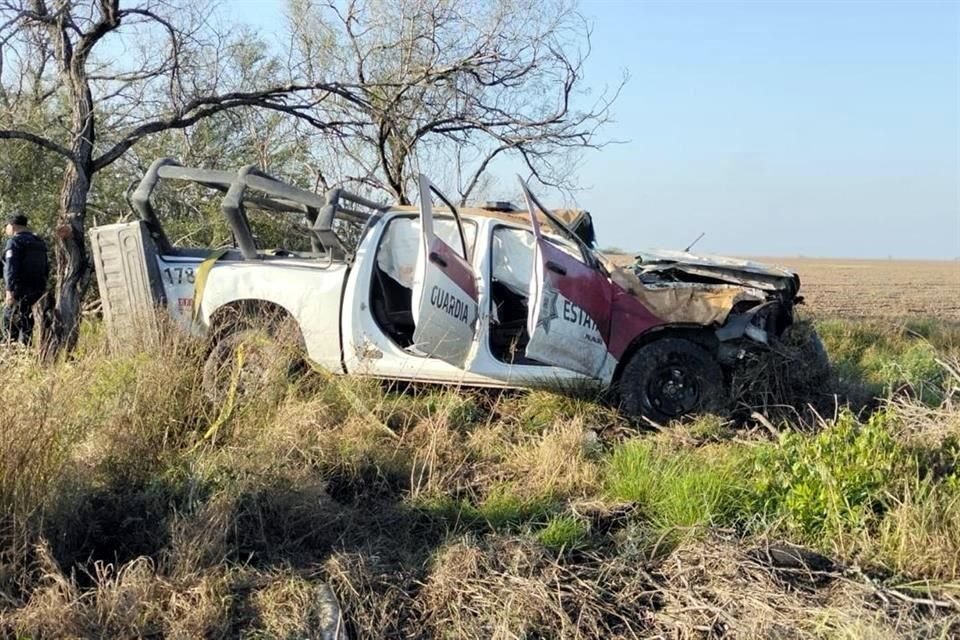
x=670, y=379
x=249, y=361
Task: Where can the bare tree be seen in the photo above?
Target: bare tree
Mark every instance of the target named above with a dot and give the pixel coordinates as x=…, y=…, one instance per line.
x=104, y=77
x=451, y=85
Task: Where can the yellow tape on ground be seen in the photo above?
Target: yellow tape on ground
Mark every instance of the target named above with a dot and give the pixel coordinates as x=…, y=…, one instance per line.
x=200, y=281
x=230, y=402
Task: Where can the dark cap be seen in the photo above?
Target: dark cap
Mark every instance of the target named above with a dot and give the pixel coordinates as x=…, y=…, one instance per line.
x=17, y=220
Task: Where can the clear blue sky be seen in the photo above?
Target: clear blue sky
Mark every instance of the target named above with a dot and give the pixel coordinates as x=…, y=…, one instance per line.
x=818, y=128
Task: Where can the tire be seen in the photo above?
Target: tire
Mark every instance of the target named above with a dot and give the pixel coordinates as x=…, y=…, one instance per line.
x=248, y=362
x=670, y=379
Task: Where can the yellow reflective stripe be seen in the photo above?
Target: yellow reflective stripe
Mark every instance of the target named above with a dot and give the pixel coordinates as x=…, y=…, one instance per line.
x=200, y=281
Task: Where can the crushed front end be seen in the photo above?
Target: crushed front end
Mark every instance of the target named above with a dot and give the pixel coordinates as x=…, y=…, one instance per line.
x=748, y=306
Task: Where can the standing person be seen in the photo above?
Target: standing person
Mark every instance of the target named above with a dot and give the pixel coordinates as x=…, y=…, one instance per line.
x=25, y=272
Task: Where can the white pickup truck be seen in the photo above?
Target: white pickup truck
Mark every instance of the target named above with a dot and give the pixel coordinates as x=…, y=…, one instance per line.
x=494, y=296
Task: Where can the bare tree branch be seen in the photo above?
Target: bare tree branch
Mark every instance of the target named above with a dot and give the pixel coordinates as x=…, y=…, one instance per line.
x=500, y=78
x=479, y=171
x=207, y=106
x=49, y=145
x=110, y=16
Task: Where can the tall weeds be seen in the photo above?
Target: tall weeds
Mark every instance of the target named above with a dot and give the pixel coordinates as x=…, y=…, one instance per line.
x=131, y=506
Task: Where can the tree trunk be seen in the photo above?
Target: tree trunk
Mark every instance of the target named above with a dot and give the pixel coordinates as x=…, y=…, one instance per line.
x=72, y=267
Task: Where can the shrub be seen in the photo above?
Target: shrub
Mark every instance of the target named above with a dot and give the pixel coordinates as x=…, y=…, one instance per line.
x=823, y=486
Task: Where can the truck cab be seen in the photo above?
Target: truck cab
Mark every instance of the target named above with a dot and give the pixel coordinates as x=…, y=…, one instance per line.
x=441, y=295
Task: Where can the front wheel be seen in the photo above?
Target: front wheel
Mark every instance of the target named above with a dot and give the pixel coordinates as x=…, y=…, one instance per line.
x=669, y=379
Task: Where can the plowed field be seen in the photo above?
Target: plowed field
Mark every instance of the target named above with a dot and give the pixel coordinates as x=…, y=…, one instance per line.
x=878, y=288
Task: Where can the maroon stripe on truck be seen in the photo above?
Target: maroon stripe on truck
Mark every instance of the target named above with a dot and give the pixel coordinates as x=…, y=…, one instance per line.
x=582, y=285
x=619, y=316
x=457, y=269
x=629, y=319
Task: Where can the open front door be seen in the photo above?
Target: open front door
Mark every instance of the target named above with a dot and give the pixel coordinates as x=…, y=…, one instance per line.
x=570, y=300
x=445, y=306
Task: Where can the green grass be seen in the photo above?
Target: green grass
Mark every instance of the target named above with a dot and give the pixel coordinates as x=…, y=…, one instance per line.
x=564, y=532
x=887, y=359
x=501, y=510
x=679, y=492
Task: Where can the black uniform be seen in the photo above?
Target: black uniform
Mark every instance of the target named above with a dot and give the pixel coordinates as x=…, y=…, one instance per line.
x=25, y=272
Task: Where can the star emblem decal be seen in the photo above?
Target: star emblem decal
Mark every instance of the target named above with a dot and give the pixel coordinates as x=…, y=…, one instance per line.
x=548, y=308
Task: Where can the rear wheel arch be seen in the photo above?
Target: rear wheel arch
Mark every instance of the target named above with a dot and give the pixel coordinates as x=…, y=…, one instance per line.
x=246, y=313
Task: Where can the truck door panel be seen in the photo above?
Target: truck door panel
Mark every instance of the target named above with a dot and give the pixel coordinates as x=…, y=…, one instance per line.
x=570, y=302
x=445, y=293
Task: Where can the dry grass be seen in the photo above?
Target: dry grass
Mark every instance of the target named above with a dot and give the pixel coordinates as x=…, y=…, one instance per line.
x=296, y=607
x=562, y=461
x=511, y=587
x=713, y=588
x=441, y=514
x=131, y=601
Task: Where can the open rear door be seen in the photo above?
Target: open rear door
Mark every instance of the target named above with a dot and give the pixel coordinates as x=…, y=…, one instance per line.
x=445, y=306
x=570, y=300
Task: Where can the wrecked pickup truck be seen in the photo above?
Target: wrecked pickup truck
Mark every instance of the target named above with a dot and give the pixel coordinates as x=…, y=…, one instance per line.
x=494, y=296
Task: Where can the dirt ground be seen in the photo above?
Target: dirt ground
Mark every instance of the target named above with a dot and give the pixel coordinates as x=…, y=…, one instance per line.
x=878, y=288
x=875, y=288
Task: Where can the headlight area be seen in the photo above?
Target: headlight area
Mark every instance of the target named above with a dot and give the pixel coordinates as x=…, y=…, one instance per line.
x=752, y=328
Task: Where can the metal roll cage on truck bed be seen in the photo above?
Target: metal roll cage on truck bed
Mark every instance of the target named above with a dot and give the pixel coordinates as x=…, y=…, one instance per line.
x=319, y=212
x=496, y=295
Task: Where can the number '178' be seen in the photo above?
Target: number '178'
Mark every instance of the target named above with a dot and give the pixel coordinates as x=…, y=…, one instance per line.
x=179, y=275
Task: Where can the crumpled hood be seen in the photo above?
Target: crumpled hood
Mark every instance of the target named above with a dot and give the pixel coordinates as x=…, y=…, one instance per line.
x=664, y=256
x=662, y=266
